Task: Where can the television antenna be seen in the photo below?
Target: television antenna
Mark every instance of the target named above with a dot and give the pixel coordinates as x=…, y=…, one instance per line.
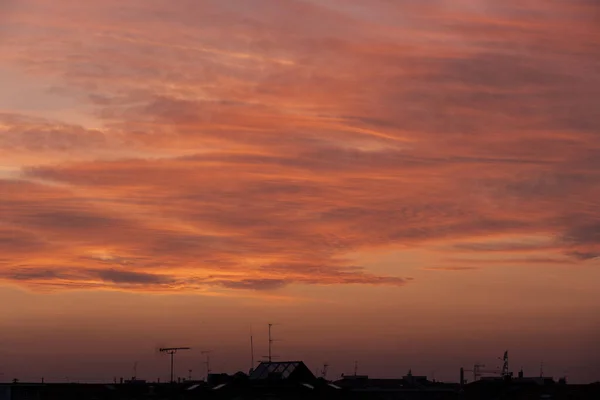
x=171, y=351
x=207, y=362
x=251, y=353
x=324, y=370
x=271, y=340
x=135, y=371
x=505, y=372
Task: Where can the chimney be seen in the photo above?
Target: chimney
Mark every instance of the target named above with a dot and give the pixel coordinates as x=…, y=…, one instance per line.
x=462, y=376
x=521, y=374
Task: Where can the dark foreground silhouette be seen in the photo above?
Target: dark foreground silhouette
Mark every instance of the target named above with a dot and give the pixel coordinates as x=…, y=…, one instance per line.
x=293, y=380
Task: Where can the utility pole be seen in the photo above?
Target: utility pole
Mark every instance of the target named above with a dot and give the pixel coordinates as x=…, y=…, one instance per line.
x=171, y=351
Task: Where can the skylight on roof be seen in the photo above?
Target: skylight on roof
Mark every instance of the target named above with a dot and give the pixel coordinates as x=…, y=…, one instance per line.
x=285, y=369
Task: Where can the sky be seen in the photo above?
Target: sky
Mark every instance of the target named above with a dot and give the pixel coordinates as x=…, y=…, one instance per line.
x=405, y=184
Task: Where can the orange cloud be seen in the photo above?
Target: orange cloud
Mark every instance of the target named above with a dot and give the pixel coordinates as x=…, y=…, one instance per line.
x=260, y=158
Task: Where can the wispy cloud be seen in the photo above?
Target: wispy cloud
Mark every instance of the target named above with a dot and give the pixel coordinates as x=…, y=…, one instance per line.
x=449, y=268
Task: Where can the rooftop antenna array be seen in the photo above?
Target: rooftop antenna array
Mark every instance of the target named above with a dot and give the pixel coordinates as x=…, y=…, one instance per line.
x=478, y=371
x=171, y=351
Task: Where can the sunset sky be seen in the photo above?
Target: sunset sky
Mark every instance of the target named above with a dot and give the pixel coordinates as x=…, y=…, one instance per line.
x=404, y=183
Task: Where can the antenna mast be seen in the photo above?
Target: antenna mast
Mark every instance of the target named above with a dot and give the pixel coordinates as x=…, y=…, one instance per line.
x=505, y=372
x=324, y=371
x=270, y=341
x=251, y=353
x=171, y=351
x=207, y=362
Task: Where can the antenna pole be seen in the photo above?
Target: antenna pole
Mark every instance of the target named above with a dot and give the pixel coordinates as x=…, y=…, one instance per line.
x=172, y=354
x=505, y=372
x=251, y=353
x=270, y=341
x=207, y=362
